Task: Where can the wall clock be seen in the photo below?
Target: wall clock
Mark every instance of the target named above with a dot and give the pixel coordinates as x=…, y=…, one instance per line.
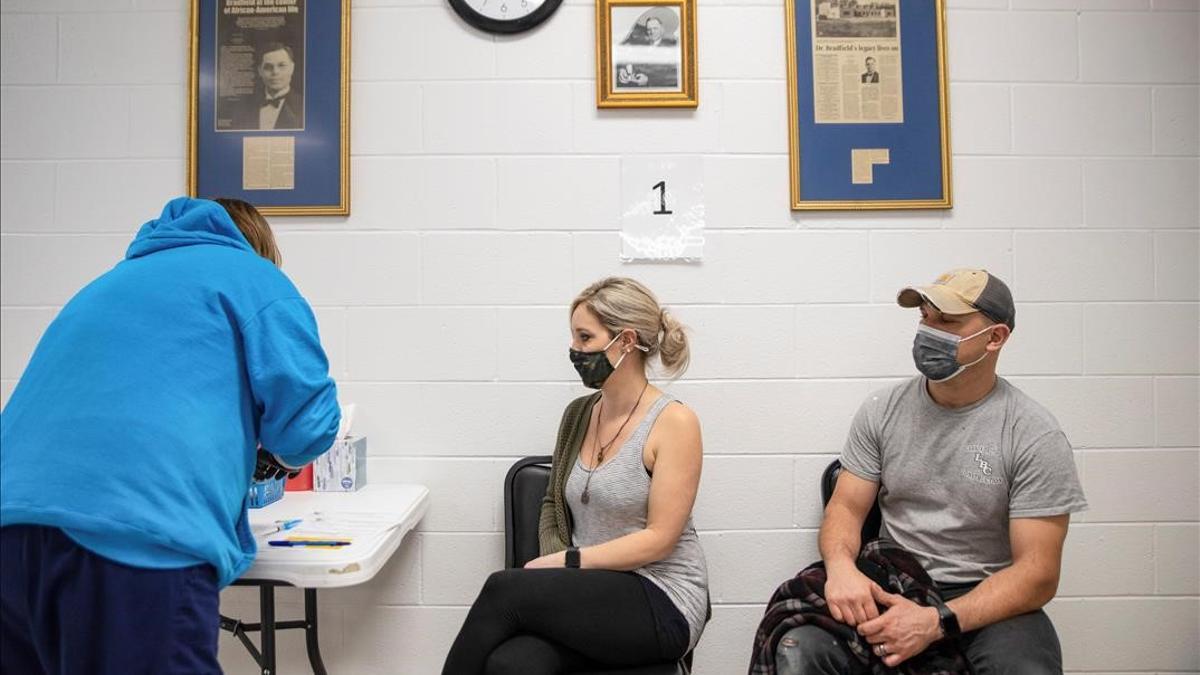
x=505, y=16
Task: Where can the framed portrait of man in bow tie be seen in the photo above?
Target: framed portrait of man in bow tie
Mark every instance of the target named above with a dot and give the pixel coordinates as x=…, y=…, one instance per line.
x=259, y=67
x=255, y=133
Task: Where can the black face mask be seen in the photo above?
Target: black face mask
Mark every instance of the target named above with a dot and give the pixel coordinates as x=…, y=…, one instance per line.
x=593, y=367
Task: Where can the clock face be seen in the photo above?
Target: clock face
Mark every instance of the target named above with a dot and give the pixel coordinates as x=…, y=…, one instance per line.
x=504, y=16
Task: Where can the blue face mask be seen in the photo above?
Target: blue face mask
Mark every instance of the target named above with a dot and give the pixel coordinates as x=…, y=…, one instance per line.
x=936, y=353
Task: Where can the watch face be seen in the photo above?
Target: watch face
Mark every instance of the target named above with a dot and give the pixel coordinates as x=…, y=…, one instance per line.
x=505, y=16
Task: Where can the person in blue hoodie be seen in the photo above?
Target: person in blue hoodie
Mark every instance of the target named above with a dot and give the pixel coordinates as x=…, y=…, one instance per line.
x=128, y=446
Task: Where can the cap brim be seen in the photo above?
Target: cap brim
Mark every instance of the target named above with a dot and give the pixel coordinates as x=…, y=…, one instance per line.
x=945, y=300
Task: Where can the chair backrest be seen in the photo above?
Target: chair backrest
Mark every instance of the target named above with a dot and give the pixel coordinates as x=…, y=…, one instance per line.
x=524, y=488
x=829, y=478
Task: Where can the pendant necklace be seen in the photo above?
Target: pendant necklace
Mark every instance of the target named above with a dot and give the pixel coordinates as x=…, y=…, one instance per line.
x=601, y=449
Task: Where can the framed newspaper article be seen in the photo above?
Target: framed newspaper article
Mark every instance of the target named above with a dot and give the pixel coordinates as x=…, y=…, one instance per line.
x=269, y=112
x=646, y=54
x=868, y=116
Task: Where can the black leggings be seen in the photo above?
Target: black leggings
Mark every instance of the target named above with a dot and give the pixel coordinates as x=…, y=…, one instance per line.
x=545, y=621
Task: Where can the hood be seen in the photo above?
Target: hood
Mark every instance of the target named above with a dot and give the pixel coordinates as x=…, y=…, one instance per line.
x=186, y=222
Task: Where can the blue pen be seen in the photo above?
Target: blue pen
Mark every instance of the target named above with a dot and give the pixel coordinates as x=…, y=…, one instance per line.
x=327, y=543
x=281, y=525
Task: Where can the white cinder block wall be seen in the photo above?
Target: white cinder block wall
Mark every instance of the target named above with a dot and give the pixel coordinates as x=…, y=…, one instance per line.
x=486, y=192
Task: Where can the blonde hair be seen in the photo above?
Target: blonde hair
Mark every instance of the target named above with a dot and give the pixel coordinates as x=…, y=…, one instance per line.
x=253, y=227
x=621, y=303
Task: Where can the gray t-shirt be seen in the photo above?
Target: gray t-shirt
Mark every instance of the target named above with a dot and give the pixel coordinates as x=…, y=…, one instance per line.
x=950, y=479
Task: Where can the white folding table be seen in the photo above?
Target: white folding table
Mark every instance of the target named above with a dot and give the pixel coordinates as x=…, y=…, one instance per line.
x=396, y=509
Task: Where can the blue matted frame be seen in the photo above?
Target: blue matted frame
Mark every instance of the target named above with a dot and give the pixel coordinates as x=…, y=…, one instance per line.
x=919, y=173
x=322, y=147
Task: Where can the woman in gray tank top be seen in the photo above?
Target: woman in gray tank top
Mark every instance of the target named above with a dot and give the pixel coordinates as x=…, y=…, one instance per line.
x=622, y=579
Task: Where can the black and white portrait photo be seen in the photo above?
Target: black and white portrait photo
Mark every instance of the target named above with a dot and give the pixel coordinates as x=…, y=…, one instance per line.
x=646, y=54
x=870, y=75
x=260, y=65
x=277, y=103
x=646, y=48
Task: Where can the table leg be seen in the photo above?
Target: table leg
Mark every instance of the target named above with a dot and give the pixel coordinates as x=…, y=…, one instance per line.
x=238, y=629
x=311, y=639
x=266, y=602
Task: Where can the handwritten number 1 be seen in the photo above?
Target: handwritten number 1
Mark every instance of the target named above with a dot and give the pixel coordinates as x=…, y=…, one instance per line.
x=661, y=186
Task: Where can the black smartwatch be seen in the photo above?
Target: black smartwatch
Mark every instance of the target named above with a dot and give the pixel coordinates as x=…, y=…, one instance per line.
x=573, y=560
x=948, y=621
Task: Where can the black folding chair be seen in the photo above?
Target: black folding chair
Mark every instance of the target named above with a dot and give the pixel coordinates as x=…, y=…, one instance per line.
x=829, y=478
x=524, y=488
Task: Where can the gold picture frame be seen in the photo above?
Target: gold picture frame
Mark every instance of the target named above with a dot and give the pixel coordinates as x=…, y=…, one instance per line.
x=930, y=43
x=321, y=177
x=646, y=54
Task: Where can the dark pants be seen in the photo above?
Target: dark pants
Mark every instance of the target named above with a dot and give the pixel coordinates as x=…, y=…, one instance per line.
x=544, y=621
x=1022, y=645
x=65, y=610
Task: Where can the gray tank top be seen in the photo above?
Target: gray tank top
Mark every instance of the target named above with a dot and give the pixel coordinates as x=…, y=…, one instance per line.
x=618, y=499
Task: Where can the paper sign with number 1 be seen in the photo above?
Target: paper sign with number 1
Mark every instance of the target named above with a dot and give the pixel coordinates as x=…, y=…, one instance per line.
x=663, y=208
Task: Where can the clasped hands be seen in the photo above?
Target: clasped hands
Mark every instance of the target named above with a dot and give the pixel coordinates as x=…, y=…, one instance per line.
x=902, y=631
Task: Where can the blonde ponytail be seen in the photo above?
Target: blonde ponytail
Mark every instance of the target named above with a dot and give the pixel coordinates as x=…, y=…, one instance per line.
x=673, y=345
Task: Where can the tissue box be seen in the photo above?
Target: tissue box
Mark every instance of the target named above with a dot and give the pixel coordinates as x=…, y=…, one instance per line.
x=343, y=468
x=265, y=492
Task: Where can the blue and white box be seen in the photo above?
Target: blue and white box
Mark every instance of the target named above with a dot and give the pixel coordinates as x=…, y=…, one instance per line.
x=343, y=468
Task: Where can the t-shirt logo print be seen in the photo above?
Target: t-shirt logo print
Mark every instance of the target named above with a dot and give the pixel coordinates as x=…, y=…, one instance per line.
x=982, y=464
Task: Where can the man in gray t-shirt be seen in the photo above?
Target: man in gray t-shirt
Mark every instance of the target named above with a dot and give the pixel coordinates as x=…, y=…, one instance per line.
x=950, y=479
x=972, y=477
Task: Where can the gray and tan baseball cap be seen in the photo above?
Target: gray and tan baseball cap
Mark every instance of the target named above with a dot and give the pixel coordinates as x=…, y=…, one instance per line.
x=963, y=291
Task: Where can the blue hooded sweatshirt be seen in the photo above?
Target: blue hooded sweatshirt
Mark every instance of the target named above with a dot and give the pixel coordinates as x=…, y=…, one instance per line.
x=135, y=425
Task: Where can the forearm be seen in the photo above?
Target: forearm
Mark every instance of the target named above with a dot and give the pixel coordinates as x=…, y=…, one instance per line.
x=629, y=552
x=1012, y=591
x=840, y=538
x=305, y=430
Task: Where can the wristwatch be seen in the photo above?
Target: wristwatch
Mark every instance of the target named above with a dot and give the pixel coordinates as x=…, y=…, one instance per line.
x=948, y=621
x=573, y=558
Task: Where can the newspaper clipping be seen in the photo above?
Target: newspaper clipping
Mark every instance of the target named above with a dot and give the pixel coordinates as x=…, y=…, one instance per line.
x=269, y=162
x=856, y=62
x=260, y=65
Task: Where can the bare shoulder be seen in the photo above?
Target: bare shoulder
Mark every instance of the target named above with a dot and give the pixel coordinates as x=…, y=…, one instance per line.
x=678, y=418
x=676, y=434
x=677, y=426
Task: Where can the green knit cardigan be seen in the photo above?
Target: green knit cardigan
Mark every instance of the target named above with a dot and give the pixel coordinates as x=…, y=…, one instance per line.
x=554, y=525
